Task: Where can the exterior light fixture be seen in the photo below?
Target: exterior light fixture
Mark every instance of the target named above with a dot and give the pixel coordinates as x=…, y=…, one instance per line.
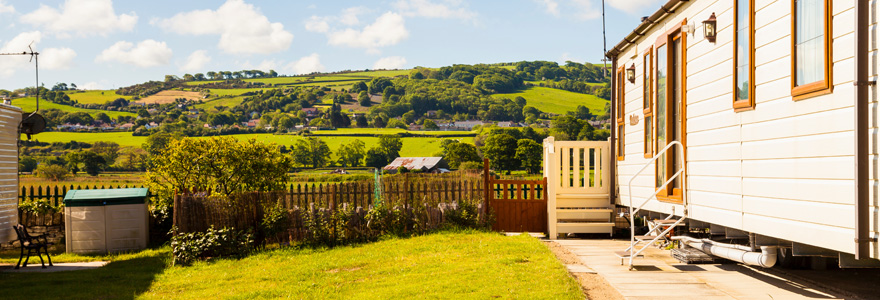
x=709, y=29
x=631, y=73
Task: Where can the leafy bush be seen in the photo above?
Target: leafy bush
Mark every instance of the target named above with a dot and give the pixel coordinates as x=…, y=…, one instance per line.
x=382, y=220
x=275, y=220
x=466, y=215
x=213, y=243
x=41, y=206
x=52, y=172
x=470, y=165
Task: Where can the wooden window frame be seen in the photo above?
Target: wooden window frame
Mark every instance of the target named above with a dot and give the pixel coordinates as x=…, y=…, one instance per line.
x=747, y=104
x=824, y=86
x=648, y=101
x=621, y=112
x=674, y=195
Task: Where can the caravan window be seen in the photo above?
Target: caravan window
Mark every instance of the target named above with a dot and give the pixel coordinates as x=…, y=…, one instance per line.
x=811, y=52
x=744, y=55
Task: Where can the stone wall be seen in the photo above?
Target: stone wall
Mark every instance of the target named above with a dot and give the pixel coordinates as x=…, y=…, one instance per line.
x=55, y=235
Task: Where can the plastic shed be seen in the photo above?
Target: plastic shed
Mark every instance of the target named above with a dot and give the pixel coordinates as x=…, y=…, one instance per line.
x=106, y=221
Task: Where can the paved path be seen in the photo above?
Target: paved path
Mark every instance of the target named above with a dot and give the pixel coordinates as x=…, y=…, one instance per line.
x=57, y=267
x=659, y=276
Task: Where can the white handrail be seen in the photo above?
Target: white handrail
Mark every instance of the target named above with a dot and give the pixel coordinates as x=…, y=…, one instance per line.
x=632, y=211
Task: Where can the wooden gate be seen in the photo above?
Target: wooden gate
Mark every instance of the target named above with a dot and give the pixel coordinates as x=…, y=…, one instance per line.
x=518, y=205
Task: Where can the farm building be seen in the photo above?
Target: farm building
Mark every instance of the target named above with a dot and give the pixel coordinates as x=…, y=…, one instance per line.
x=423, y=164
x=10, y=117
x=765, y=109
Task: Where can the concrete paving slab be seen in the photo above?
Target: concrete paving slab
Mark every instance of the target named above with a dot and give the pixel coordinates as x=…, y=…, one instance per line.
x=659, y=276
x=579, y=269
x=57, y=267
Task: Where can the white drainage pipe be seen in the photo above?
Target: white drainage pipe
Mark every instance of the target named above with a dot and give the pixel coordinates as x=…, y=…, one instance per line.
x=739, y=253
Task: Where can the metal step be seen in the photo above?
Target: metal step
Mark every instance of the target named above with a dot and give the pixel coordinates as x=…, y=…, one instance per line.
x=667, y=222
x=645, y=237
x=626, y=254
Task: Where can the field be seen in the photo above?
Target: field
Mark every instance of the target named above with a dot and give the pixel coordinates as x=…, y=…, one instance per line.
x=235, y=92
x=412, y=146
x=95, y=96
x=169, y=96
x=445, y=265
x=29, y=104
x=379, y=73
x=225, y=101
x=344, y=131
x=557, y=101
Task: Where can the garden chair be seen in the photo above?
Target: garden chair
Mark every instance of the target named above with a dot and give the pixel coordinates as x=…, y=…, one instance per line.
x=33, y=244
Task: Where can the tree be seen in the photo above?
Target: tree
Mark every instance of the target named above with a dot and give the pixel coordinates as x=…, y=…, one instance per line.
x=108, y=150
x=92, y=162
x=312, y=152
x=52, y=172
x=358, y=87
x=212, y=75
x=143, y=113
x=396, y=123
x=27, y=164
x=73, y=161
x=364, y=99
x=457, y=153
x=430, y=125
x=361, y=121
x=378, y=84
x=222, y=165
x=158, y=142
x=390, y=144
x=500, y=149
x=375, y=158
x=528, y=153
x=132, y=159
x=351, y=154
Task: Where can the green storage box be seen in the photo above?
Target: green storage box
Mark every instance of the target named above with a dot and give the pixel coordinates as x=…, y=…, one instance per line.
x=103, y=197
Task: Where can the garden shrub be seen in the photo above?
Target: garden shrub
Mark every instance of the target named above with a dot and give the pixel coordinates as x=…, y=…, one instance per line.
x=41, y=206
x=275, y=220
x=227, y=242
x=465, y=215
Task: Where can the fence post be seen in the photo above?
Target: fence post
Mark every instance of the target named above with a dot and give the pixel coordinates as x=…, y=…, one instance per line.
x=486, y=187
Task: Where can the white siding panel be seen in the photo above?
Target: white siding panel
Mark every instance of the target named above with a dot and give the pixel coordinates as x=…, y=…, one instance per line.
x=731, y=168
x=805, y=168
x=829, y=237
x=713, y=137
x=831, y=144
x=728, y=185
x=828, y=191
x=839, y=215
x=818, y=123
x=732, y=219
x=729, y=202
x=718, y=152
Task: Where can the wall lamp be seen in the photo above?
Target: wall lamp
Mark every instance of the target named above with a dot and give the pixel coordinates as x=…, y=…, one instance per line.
x=631, y=73
x=709, y=29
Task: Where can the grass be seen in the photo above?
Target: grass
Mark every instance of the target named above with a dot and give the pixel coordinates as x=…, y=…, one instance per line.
x=412, y=146
x=446, y=265
x=225, y=101
x=380, y=73
x=95, y=96
x=557, y=101
x=235, y=92
x=344, y=131
x=29, y=104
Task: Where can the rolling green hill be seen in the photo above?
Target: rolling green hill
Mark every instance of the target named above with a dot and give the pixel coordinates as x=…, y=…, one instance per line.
x=95, y=96
x=557, y=101
x=29, y=104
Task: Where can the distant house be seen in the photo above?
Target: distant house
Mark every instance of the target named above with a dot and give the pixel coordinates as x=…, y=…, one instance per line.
x=415, y=127
x=126, y=126
x=251, y=124
x=459, y=125
x=508, y=124
x=311, y=112
x=431, y=113
x=151, y=125
x=425, y=164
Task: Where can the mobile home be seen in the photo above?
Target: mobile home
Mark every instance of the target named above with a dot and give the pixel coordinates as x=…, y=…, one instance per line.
x=773, y=105
x=10, y=118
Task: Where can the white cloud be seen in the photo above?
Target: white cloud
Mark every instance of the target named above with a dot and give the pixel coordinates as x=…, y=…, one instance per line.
x=57, y=58
x=318, y=24
x=148, y=53
x=265, y=65
x=389, y=29
x=350, y=15
x=10, y=64
x=306, y=65
x=242, y=28
x=84, y=17
x=445, y=9
x=391, y=62
x=634, y=6
x=6, y=8
x=91, y=85
x=196, y=61
x=551, y=6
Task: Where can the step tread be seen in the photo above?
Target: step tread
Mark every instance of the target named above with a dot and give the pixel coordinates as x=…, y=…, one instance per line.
x=666, y=222
x=592, y=224
x=645, y=237
x=626, y=254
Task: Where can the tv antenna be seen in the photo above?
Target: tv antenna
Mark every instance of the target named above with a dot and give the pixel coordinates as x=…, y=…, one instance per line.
x=33, y=123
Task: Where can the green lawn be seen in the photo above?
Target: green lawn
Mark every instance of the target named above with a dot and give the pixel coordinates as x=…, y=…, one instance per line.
x=235, y=92
x=448, y=265
x=95, y=96
x=412, y=146
x=29, y=104
x=344, y=131
x=557, y=101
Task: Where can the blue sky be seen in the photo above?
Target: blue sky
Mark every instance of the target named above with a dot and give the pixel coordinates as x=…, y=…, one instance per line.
x=108, y=44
